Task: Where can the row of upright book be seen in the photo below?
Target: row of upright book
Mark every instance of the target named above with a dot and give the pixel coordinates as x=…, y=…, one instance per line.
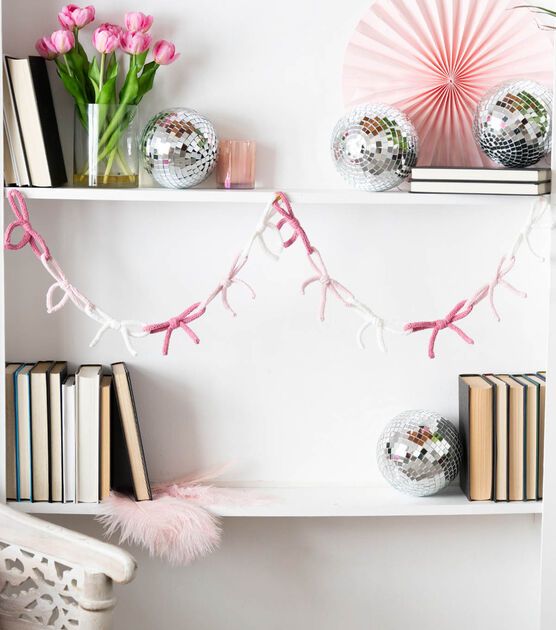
x=72, y=437
x=485, y=181
x=32, y=148
x=502, y=420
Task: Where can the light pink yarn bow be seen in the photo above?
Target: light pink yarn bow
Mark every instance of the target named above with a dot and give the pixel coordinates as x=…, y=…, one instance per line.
x=499, y=280
x=181, y=321
x=440, y=324
x=232, y=278
x=30, y=236
x=69, y=292
x=288, y=217
x=327, y=283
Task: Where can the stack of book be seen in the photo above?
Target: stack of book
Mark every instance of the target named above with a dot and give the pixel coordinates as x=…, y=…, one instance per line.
x=486, y=181
x=501, y=421
x=71, y=438
x=32, y=149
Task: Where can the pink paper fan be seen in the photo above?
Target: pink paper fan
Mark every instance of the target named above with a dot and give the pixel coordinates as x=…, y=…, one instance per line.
x=434, y=59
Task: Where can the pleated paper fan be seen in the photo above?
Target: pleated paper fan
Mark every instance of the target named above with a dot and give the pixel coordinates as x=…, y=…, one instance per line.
x=434, y=59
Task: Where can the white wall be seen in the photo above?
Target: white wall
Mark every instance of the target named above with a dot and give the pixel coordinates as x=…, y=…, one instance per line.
x=287, y=399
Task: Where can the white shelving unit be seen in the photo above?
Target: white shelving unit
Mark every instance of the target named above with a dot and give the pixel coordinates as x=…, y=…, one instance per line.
x=262, y=196
x=291, y=501
x=305, y=502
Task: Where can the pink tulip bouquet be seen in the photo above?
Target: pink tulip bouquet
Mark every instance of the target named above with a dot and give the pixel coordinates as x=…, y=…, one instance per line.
x=95, y=80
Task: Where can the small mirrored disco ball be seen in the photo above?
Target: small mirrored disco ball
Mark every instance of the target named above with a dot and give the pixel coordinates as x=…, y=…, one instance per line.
x=512, y=123
x=419, y=452
x=374, y=147
x=179, y=148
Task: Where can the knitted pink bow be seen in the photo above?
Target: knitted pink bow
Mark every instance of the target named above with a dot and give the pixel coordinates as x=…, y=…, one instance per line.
x=327, y=283
x=181, y=321
x=34, y=239
x=289, y=217
x=499, y=280
x=440, y=324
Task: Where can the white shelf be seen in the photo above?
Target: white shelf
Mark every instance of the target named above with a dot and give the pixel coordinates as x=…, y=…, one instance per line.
x=331, y=501
x=261, y=196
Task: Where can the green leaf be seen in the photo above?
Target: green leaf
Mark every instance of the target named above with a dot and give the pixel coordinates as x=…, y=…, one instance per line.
x=146, y=80
x=128, y=93
x=108, y=92
x=112, y=68
x=72, y=85
x=94, y=77
x=140, y=60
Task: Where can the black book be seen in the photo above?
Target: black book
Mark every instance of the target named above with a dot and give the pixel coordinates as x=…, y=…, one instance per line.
x=128, y=467
x=36, y=116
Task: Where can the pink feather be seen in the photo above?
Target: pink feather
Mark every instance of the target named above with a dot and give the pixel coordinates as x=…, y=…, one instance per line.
x=175, y=525
x=170, y=528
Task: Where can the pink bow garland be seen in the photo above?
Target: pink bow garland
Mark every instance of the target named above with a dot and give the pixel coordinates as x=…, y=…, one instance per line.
x=327, y=283
x=288, y=217
x=499, y=280
x=30, y=236
x=437, y=325
x=181, y=321
x=62, y=283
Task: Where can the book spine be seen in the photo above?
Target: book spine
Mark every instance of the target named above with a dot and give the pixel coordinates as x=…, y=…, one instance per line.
x=49, y=124
x=464, y=434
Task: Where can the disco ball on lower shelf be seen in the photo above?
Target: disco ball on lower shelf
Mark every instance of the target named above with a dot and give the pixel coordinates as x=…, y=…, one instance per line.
x=419, y=452
x=374, y=147
x=512, y=123
x=179, y=148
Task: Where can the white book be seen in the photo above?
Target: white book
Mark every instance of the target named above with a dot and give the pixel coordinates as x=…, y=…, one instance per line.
x=13, y=134
x=481, y=174
x=478, y=188
x=88, y=432
x=69, y=439
x=23, y=415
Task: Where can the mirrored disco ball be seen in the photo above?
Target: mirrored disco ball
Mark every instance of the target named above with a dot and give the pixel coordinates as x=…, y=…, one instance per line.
x=512, y=123
x=179, y=148
x=374, y=147
x=419, y=452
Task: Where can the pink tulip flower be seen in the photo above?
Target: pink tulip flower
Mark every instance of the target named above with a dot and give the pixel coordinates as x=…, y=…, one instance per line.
x=63, y=41
x=105, y=39
x=46, y=48
x=135, y=43
x=164, y=53
x=138, y=22
x=72, y=16
x=113, y=28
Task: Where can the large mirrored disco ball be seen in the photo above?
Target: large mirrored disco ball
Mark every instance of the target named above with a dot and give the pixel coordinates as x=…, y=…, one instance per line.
x=374, y=147
x=512, y=123
x=419, y=452
x=179, y=148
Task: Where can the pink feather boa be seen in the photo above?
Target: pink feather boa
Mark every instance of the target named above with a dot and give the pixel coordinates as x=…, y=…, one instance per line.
x=176, y=525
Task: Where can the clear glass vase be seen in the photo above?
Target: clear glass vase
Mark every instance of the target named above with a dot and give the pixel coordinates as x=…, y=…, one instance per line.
x=105, y=146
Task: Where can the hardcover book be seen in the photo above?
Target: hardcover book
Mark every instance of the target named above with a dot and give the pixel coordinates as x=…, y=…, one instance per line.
x=517, y=438
x=40, y=430
x=88, y=432
x=30, y=86
x=128, y=464
x=23, y=434
x=57, y=376
x=11, y=432
x=476, y=418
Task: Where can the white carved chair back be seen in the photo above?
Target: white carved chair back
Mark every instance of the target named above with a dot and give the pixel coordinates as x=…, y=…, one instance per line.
x=52, y=577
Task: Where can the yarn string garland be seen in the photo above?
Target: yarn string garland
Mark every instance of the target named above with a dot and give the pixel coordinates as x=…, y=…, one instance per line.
x=278, y=206
x=29, y=236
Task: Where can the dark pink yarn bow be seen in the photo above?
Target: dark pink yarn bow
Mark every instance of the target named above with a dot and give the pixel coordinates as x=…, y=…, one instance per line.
x=288, y=217
x=440, y=324
x=181, y=321
x=34, y=239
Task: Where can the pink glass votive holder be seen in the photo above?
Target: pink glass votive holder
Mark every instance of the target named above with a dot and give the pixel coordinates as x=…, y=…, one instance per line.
x=236, y=164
